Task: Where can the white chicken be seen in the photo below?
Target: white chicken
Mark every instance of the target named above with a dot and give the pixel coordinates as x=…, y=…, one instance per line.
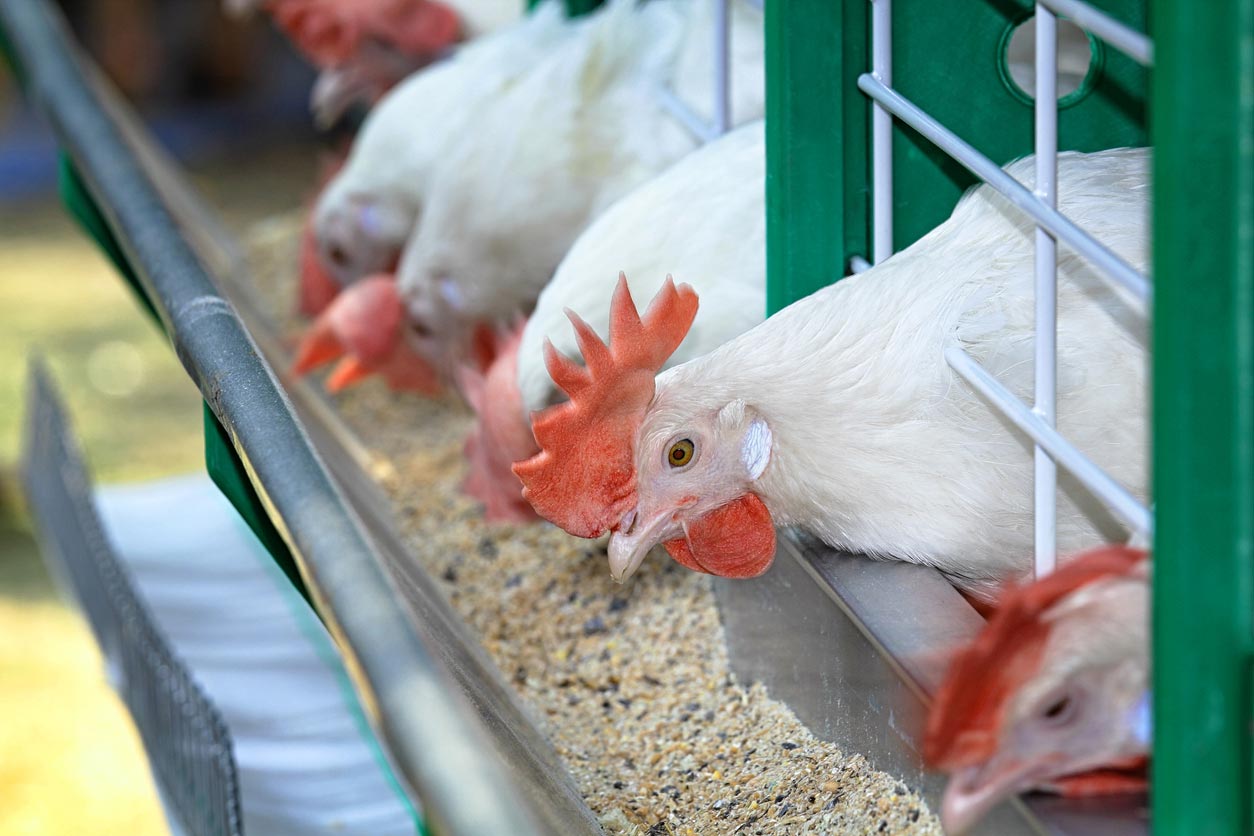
x=704, y=220
x=579, y=131
x=366, y=213
x=1054, y=692
x=840, y=415
x=364, y=47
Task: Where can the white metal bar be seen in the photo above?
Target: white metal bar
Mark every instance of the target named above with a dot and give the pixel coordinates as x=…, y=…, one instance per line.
x=1122, y=503
x=1086, y=245
x=721, y=108
x=686, y=116
x=1045, y=484
x=1122, y=37
x=858, y=264
x=882, y=132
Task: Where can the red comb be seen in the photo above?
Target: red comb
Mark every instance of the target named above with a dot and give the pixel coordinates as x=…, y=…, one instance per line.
x=584, y=477
x=965, y=719
x=330, y=32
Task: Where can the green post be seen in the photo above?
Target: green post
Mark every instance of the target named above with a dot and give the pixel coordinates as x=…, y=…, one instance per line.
x=1203, y=129
x=816, y=205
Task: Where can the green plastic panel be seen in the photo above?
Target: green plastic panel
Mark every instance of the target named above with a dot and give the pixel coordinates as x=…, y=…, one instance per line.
x=948, y=59
x=574, y=8
x=817, y=198
x=1203, y=128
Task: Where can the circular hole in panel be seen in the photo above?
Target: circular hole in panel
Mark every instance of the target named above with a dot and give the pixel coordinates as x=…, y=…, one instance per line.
x=1079, y=60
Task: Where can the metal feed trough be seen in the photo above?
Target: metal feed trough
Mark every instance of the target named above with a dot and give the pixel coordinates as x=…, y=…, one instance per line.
x=826, y=632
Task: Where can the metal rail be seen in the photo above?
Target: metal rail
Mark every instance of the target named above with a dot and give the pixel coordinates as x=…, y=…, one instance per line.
x=439, y=744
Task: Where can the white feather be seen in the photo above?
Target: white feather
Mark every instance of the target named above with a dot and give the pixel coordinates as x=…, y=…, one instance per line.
x=880, y=448
x=703, y=220
x=412, y=130
x=578, y=132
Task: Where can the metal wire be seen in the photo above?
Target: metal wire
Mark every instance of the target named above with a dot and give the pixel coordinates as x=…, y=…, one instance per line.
x=720, y=106
x=1124, y=38
x=981, y=166
x=1039, y=422
x=882, y=132
x=187, y=742
x=1121, y=502
x=1045, y=362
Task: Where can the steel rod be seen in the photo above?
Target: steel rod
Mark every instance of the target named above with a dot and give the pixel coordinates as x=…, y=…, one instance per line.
x=1086, y=245
x=882, y=132
x=1045, y=483
x=1122, y=37
x=702, y=130
x=1120, y=501
x=721, y=109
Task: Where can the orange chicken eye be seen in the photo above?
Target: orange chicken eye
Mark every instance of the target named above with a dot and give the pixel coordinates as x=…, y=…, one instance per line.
x=680, y=453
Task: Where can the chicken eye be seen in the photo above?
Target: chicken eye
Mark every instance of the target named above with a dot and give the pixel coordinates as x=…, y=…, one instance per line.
x=1058, y=712
x=680, y=453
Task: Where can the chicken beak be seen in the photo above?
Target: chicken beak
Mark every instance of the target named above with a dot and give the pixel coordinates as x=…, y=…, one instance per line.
x=632, y=539
x=975, y=790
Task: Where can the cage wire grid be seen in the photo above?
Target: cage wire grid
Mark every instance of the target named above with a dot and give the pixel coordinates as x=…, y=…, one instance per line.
x=188, y=745
x=1038, y=421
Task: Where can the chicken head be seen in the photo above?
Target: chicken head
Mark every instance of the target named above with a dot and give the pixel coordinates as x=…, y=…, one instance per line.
x=649, y=470
x=364, y=329
x=1052, y=694
x=501, y=435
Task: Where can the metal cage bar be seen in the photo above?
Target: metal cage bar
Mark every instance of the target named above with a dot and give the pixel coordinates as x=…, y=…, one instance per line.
x=1045, y=360
x=1122, y=37
x=881, y=133
x=981, y=166
x=1203, y=416
x=720, y=105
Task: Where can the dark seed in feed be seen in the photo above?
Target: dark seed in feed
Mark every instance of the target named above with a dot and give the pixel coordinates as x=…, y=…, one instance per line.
x=594, y=625
x=788, y=744
x=450, y=575
x=618, y=604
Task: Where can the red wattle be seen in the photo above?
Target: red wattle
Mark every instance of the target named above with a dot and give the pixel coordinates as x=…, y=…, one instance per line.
x=734, y=541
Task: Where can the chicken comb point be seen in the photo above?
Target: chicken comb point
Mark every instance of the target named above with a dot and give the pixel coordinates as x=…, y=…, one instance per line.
x=583, y=478
x=966, y=715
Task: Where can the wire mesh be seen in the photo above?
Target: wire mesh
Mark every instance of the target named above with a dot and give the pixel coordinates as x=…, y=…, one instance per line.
x=188, y=745
x=1038, y=422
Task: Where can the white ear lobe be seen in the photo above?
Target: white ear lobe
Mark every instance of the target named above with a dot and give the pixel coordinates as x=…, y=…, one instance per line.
x=755, y=448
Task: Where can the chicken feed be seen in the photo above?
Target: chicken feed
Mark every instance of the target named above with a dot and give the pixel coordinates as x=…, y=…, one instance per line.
x=632, y=684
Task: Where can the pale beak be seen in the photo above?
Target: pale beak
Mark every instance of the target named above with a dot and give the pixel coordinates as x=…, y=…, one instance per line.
x=975, y=790
x=632, y=539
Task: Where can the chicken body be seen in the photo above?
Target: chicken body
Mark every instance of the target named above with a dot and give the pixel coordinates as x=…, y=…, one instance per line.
x=366, y=213
x=578, y=132
x=840, y=414
x=1053, y=693
x=703, y=220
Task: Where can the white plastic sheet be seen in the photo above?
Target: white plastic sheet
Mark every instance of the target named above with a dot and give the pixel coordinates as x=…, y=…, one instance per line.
x=308, y=762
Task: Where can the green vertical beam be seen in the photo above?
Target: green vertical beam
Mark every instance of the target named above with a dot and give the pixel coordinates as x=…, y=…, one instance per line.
x=816, y=144
x=1203, y=225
